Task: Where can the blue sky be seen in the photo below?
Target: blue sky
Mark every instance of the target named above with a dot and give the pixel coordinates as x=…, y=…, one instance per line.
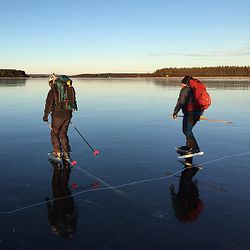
x=97, y=36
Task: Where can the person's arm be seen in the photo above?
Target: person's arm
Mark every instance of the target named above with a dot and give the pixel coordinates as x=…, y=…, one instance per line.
x=183, y=99
x=48, y=105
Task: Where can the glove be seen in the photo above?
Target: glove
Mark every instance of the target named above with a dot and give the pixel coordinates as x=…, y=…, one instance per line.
x=45, y=118
x=171, y=187
x=174, y=116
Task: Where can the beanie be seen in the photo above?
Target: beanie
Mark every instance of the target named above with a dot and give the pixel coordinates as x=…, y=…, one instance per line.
x=186, y=79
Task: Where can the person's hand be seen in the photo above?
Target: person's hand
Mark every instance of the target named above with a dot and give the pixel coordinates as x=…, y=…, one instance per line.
x=175, y=116
x=171, y=188
x=45, y=118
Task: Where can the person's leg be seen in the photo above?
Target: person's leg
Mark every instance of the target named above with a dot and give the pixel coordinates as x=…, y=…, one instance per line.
x=57, y=123
x=189, y=121
x=63, y=135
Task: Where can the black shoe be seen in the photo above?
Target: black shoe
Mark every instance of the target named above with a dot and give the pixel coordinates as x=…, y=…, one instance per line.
x=193, y=151
x=185, y=148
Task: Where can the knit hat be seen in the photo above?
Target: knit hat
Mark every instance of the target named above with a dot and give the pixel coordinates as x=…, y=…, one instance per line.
x=186, y=79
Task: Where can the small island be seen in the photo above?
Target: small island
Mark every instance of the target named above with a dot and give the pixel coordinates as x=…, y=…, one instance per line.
x=9, y=73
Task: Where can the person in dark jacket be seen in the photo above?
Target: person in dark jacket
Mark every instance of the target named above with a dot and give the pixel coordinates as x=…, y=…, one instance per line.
x=60, y=103
x=186, y=201
x=190, y=118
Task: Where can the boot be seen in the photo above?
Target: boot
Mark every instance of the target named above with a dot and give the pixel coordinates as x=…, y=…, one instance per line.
x=185, y=148
x=57, y=155
x=66, y=157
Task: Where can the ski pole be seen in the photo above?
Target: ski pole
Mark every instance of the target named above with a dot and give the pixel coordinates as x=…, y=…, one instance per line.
x=49, y=125
x=95, y=151
x=210, y=120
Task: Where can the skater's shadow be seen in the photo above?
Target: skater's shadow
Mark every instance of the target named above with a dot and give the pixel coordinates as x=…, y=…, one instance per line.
x=186, y=202
x=62, y=213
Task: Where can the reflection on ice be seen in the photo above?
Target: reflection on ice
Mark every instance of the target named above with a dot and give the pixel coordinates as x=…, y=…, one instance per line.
x=186, y=202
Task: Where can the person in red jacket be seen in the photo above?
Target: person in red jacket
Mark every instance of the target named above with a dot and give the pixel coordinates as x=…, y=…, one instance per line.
x=191, y=113
x=186, y=201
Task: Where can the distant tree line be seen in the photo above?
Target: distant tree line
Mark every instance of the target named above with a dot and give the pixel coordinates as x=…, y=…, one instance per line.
x=203, y=71
x=114, y=75
x=12, y=73
x=165, y=72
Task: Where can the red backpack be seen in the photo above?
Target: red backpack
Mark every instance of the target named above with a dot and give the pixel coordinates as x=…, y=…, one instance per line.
x=201, y=99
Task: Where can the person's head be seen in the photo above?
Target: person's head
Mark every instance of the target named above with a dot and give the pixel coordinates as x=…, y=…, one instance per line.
x=52, y=79
x=186, y=80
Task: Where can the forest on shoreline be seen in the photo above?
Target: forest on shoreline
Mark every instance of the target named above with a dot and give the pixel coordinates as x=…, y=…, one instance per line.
x=219, y=71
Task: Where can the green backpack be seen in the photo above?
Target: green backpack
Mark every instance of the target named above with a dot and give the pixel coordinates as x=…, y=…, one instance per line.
x=65, y=94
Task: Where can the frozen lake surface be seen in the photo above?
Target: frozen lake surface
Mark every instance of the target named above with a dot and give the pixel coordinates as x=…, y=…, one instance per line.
x=134, y=195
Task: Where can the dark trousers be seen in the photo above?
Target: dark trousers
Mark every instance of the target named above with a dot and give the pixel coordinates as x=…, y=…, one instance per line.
x=189, y=121
x=59, y=137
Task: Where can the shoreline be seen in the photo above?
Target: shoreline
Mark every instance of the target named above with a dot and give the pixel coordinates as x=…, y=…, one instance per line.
x=143, y=77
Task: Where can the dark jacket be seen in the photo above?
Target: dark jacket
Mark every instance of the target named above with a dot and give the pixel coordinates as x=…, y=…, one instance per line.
x=185, y=97
x=50, y=107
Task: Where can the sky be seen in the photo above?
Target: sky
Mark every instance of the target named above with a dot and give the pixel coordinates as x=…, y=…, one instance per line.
x=97, y=36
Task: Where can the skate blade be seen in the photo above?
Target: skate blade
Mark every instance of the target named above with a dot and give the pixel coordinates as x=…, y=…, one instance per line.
x=190, y=155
